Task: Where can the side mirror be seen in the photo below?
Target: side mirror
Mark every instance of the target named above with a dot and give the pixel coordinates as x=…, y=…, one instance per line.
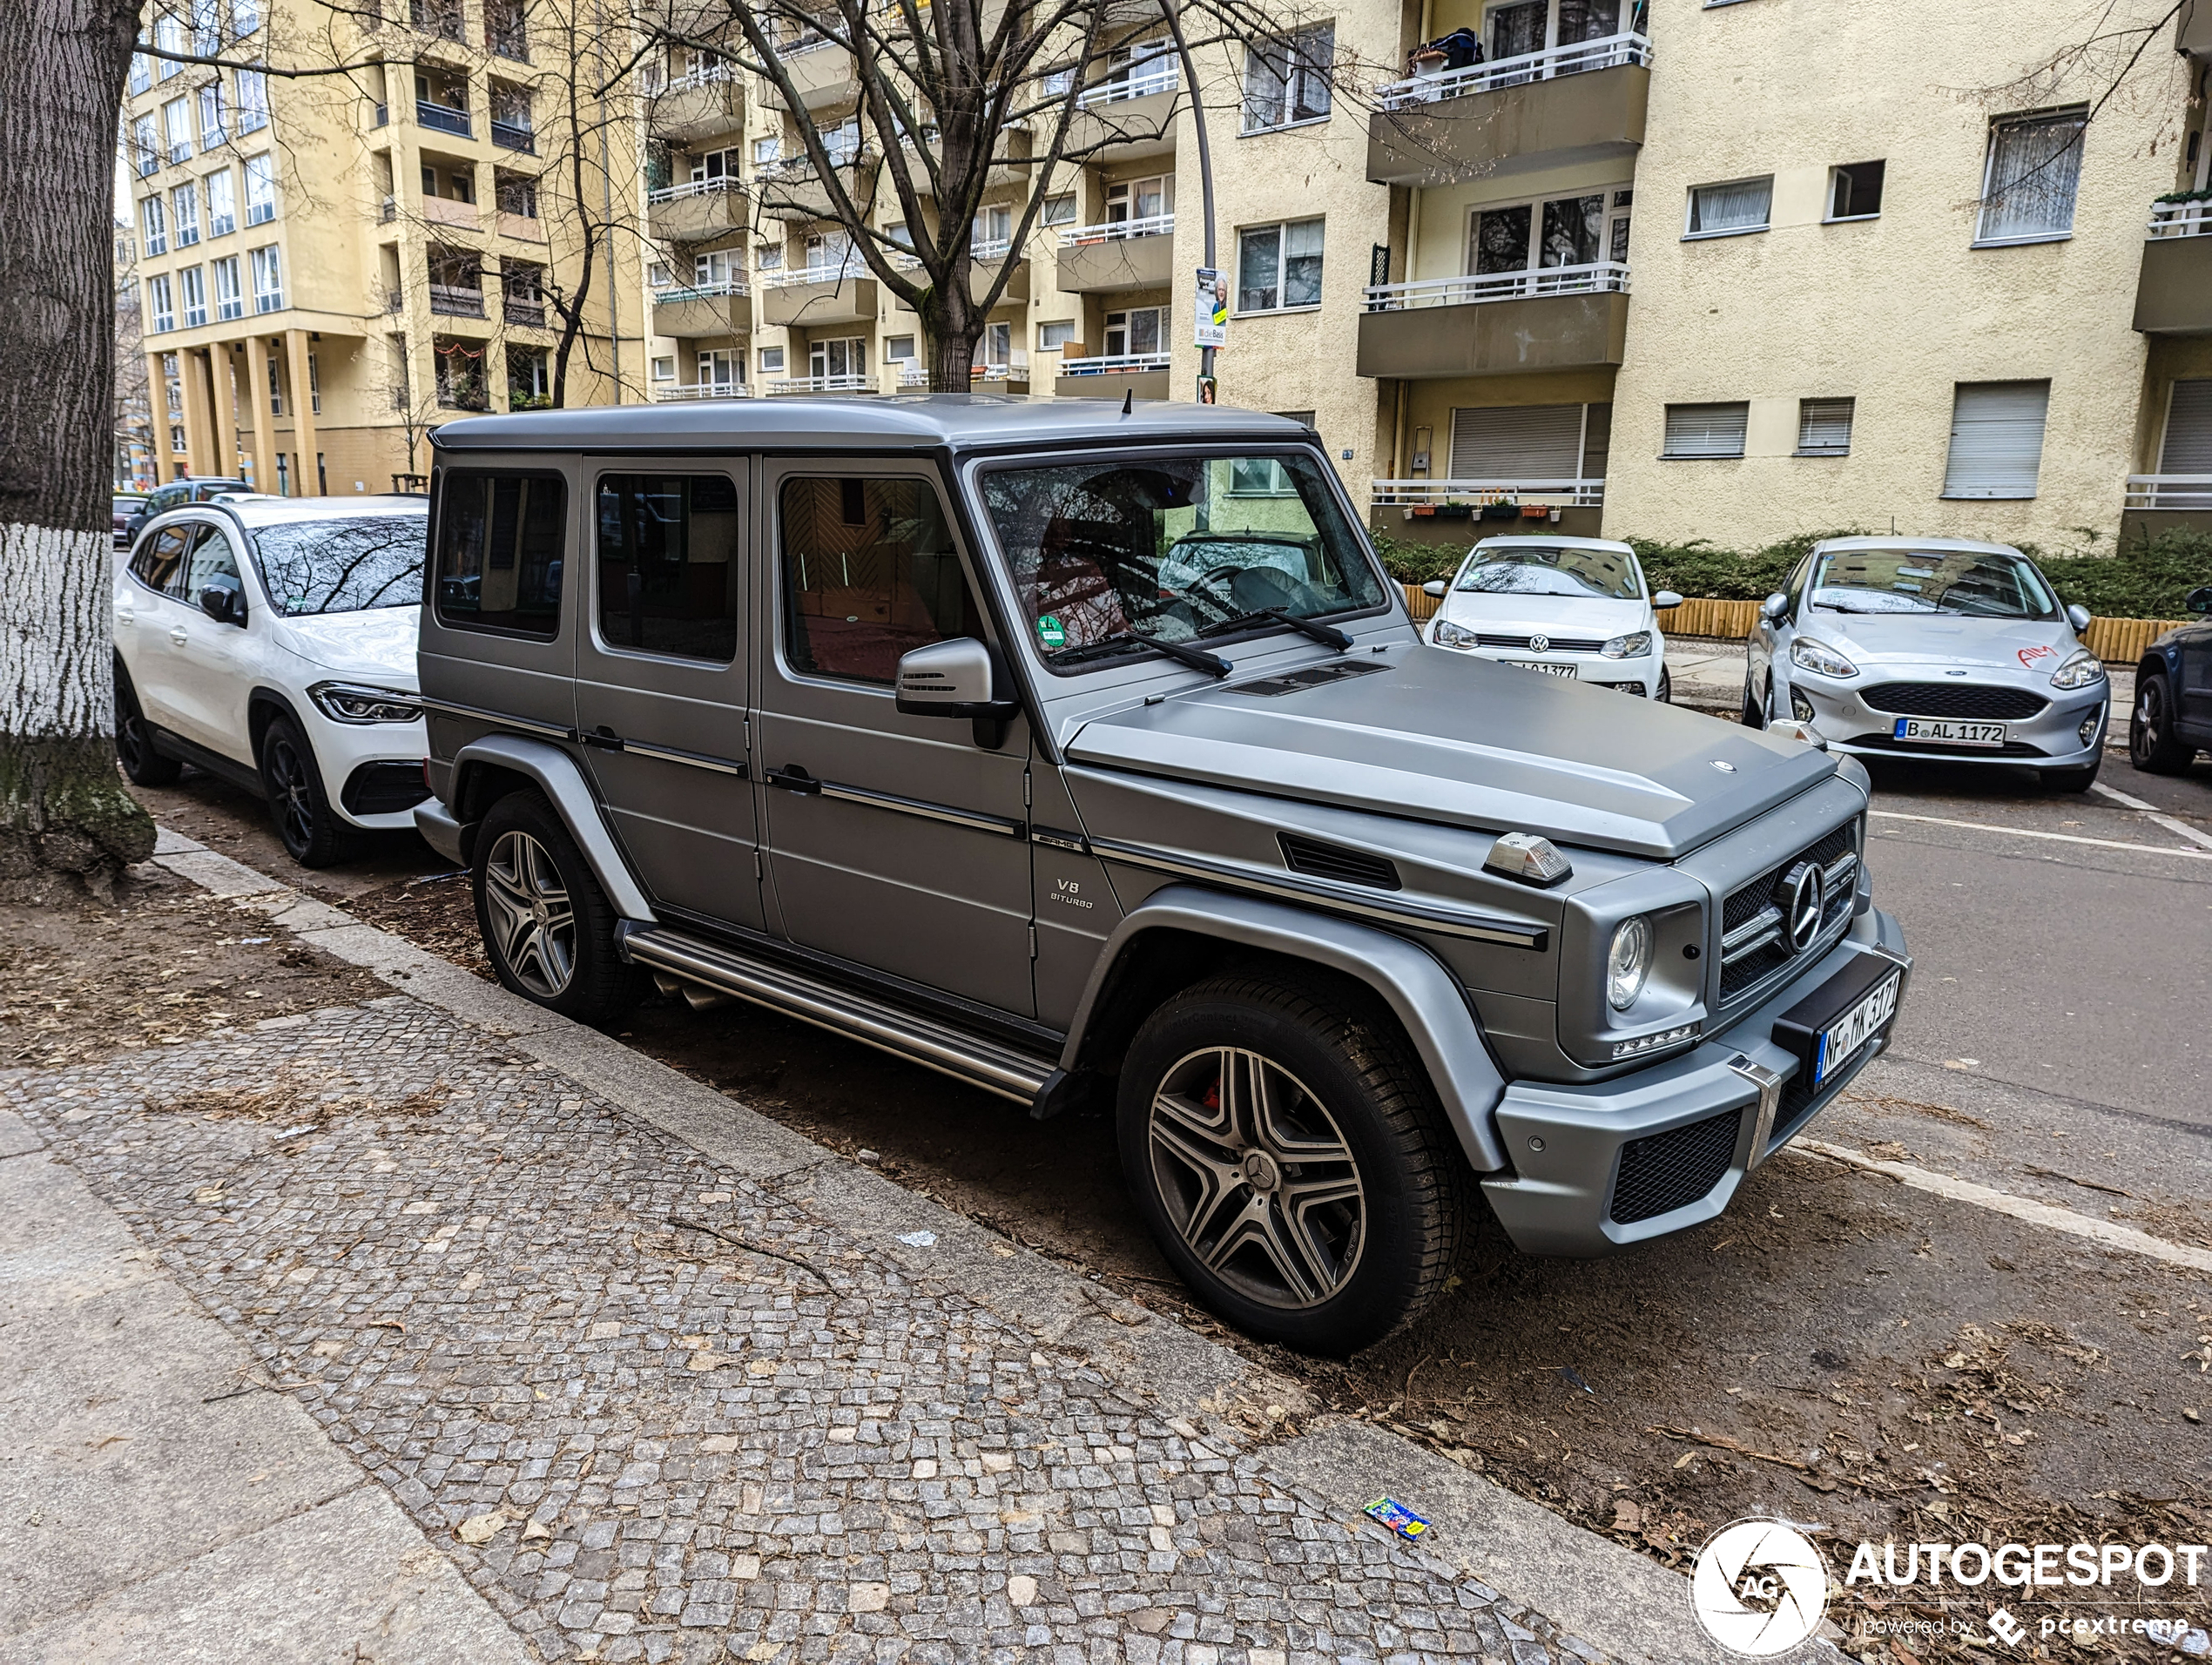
x=2199, y=600
x=1774, y=607
x=224, y=602
x=2078, y=616
x=1665, y=600
x=1437, y=587
x=960, y=678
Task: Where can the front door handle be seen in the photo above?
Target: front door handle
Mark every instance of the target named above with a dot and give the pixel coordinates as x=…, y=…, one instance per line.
x=179, y=635
x=791, y=778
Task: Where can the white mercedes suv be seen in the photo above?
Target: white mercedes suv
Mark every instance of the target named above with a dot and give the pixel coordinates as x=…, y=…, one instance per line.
x=270, y=641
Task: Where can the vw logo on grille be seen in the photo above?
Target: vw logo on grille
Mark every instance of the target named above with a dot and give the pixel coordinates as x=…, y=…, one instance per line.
x=1539, y=644
x=1803, y=896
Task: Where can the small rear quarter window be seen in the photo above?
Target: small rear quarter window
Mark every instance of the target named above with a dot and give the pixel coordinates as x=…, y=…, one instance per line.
x=500, y=549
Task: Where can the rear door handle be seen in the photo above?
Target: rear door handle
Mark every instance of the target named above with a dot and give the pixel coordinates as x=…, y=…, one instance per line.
x=791, y=778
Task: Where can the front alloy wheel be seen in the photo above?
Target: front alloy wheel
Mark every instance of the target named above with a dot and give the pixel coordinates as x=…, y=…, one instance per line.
x=1257, y=1178
x=2152, y=746
x=527, y=907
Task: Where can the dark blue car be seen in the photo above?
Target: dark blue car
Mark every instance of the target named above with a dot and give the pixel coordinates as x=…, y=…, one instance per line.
x=2173, y=716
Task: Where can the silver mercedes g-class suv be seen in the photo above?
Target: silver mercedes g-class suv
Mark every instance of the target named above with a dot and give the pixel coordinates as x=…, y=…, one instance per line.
x=1070, y=748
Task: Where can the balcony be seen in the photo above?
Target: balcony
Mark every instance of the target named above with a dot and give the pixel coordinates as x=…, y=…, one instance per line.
x=791, y=385
x=1117, y=258
x=526, y=227
x=1572, y=104
x=686, y=393
x=444, y=22
x=1555, y=318
x=698, y=106
x=2173, y=291
x=695, y=211
x=822, y=74
x=790, y=189
x=808, y=295
x=453, y=300
x=1547, y=493
x=703, y=309
x=2169, y=491
x=985, y=260
x=1129, y=119
x=1144, y=374
x=514, y=136
x=443, y=119
x=443, y=211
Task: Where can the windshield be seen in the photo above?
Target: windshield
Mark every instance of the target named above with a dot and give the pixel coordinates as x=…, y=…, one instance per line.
x=343, y=566
x=1978, y=583
x=1173, y=547
x=1551, y=569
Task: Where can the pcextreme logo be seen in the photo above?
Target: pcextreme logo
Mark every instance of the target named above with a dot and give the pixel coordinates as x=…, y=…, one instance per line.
x=1760, y=1587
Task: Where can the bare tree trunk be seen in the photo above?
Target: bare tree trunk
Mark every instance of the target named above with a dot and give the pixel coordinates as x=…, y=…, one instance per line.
x=62, y=806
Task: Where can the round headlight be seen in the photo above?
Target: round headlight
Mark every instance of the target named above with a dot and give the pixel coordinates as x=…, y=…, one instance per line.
x=1628, y=962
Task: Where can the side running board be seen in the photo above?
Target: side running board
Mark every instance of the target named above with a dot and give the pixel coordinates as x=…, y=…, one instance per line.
x=987, y=1064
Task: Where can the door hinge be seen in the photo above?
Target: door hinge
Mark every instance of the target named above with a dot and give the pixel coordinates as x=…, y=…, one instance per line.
x=1032, y=942
x=756, y=872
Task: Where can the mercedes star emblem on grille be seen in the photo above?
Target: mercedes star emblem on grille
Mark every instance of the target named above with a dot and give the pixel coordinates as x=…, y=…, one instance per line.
x=1805, y=900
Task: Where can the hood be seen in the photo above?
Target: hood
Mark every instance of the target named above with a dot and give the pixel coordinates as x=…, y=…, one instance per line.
x=1557, y=614
x=376, y=645
x=1438, y=735
x=1986, y=643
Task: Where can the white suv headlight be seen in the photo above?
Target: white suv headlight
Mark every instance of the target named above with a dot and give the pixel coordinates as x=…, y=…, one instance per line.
x=1817, y=656
x=1634, y=645
x=1444, y=635
x=347, y=702
x=2079, y=671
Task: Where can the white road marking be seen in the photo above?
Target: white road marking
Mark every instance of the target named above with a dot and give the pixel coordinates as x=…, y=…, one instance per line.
x=2047, y=1214
x=2031, y=832
x=2151, y=813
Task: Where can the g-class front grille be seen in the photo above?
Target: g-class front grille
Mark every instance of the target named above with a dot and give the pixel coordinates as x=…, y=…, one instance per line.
x=1954, y=699
x=1318, y=860
x=1665, y=1171
x=1755, y=919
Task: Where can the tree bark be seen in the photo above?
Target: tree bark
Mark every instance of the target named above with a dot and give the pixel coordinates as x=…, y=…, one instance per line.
x=63, y=805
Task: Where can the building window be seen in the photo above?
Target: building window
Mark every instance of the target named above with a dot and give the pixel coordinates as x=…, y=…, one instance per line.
x=528, y=387
x=1060, y=209
x=276, y=387
x=2028, y=185
x=772, y=360
x=2186, y=446
x=1706, y=430
x=1053, y=336
x=1824, y=427
x=192, y=286
x=721, y=367
x=1562, y=232
x=211, y=116
x=141, y=74
x=991, y=232
x=1286, y=80
x=159, y=307
x=1855, y=191
x=230, y=298
x=1515, y=446
x=268, y=280
x=995, y=348
x=715, y=167
x=154, y=220
x=314, y=384
x=145, y=148
x=184, y=203
x=897, y=349
x=1056, y=83
x=844, y=356
x=665, y=368
x=1996, y=439
x=1148, y=200
x=516, y=194
x=253, y=101
x=176, y=129
x=1278, y=267
x=764, y=151
x=717, y=270
x=260, y=189
x=1260, y=476
x=1134, y=333
x=169, y=35
x=222, y=204
x=207, y=27
x=1728, y=210
x=245, y=17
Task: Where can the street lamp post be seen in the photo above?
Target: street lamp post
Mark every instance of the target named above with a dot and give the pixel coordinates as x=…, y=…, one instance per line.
x=1169, y=10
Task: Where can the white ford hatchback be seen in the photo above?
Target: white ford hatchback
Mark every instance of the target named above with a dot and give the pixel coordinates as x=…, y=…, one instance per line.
x=272, y=641
x=1565, y=606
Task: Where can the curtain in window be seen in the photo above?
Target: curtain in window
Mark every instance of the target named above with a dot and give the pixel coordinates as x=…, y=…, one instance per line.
x=1738, y=207
x=1573, y=229
x=1502, y=240
x=1516, y=30
x=2034, y=166
x=1302, y=263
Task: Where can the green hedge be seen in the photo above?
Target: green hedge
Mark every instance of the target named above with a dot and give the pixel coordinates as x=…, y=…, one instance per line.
x=2146, y=579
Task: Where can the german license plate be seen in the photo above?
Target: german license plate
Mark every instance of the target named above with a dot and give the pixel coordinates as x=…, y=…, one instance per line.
x=1549, y=667
x=1840, y=1042
x=1832, y=1025
x=1928, y=731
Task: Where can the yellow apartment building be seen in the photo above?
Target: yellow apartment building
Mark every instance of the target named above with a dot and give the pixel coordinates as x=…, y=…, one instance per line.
x=330, y=267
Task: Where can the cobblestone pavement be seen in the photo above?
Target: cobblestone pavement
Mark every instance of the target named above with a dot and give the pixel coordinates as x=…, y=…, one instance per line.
x=656, y=1410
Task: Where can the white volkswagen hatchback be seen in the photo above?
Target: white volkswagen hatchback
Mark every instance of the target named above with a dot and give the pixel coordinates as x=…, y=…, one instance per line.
x=270, y=641
x=1565, y=606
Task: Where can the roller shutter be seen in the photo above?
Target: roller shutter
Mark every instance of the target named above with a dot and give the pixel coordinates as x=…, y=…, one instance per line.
x=1996, y=439
x=1509, y=442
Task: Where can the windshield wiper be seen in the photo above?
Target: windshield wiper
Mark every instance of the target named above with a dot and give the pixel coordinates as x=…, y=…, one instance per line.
x=1327, y=634
x=1197, y=658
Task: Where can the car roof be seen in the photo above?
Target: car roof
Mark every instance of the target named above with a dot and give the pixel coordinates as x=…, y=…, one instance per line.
x=1965, y=545
x=866, y=423
x=1608, y=544
x=253, y=509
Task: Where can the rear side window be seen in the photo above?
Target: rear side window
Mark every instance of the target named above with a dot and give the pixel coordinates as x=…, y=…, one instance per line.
x=869, y=574
x=159, y=562
x=501, y=541
x=669, y=572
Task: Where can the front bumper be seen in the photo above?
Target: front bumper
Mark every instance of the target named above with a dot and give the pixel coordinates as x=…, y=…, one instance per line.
x=2050, y=739
x=1566, y=1143
x=1638, y=676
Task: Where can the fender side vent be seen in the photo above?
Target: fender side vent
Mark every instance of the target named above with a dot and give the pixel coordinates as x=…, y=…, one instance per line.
x=1319, y=861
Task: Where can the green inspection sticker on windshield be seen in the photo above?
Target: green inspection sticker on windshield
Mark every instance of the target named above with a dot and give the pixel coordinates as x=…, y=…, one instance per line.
x=1050, y=633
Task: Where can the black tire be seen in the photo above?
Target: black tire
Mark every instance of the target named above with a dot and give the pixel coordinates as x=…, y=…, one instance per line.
x=142, y=764
x=1754, y=708
x=548, y=928
x=312, y=835
x=1358, y=1264
x=2070, y=780
x=2153, y=746
x=1666, y=694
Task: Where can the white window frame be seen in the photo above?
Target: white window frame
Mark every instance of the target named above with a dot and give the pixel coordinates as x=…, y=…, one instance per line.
x=260, y=188
x=1811, y=411
x=176, y=130
x=1127, y=314
x=713, y=359
x=856, y=355
x=717, y=267
x=253, y=101
x=169, y=35
x=1055, y=333
x=161, y=306
x=1058, y=211
x=725, y=163
x=1619, y=209
x=222, y=215
x=1304, y=58
x=183, y=214
x=1121, y=197
x=1836, y=174
x=1950, y=463
x=663, y=369
x=1670, y=454
x=268, y=264
x=146, y=142
x=230, y=292
x=1690, y=233
x=898, y=349
x=2028, y=121
x=208, y=102
x=153, y=224
x=772, y=360
x=192, y=290
x=1281, y=229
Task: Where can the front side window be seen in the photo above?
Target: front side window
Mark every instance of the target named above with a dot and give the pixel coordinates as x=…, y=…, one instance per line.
x=1286, y=80
x=1177, y=547
x=341, y=565
x=1724, y=209
x=1280, y=267
x=669, y=574
x=222, y=204
x=501, y=541
x=210, y=561
x=1528, y=567
x=2028, y=188
x=869, y=574
x=1978, y=583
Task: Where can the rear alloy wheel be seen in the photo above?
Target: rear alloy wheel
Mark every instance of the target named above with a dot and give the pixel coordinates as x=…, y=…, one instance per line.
x=548, y=928
x=1290, y=1161
x=142, y=764
x=2153, y=746
x=312, y=835
x=1666, y=694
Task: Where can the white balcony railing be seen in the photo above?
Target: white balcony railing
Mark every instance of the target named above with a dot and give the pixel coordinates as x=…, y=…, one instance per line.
x=696, y=188
x=1550, y=493
x=1114, y=364
x=2169, y=491
x=913, y=375
x=1598, y=276
x=706, y=75
x=1115, y=230
x=674, y=293
x=861, y=383
x=1156, y=76
x=791, y=277
x=2181, y=219
x=682, y=391
x=1608, y=53
x=800, y=48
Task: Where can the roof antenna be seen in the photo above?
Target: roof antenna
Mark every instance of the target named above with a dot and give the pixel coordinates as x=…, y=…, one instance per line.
x=1128, y=400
